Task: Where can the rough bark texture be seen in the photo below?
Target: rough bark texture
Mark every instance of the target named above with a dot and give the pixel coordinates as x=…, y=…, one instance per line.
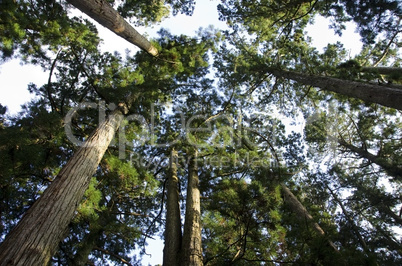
x=107, y=16
x=191, y=246
x=36, y=237
x=173, y=222
x=390, y=97
x=302, y=213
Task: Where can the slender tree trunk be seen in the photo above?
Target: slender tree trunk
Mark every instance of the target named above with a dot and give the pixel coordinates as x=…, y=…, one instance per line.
x=391, y=170
x=382, y=207
x=390, y=97
x=86, y=246
x=390, y=240
x=350, y=220
x=173, y=222
x=352, y=224
x=303, y=214
x=191, y=246
x=383, y=70
x=107, y=16
x=36, y=237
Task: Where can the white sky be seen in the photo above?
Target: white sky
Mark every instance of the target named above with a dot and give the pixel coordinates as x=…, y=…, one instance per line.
x=14, y=77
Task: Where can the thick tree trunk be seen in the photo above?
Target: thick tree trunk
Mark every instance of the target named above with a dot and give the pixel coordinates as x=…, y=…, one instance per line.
x=191, y=246
x=390, y=97
x=36, y=237
x=303, y=214
x=107, y=16
x=173, y=222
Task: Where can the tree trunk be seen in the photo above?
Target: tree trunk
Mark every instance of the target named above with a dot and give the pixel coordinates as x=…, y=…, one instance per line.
x=350, y=220
x=390, y=97
x=107, y=16
x=191, y=246
x=86, y=246
x=383, y=70
x=303, y=214
x=390, y=169
x=36, y=237
x=352, y=224
x=173, y=222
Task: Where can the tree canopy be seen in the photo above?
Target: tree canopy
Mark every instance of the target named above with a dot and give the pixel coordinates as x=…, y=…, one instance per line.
x=238, y=146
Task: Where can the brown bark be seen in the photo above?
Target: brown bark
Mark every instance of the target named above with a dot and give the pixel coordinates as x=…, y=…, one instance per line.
x=173, y=222
x=36, y=237
x=107, y=16
x=191, y=246
x=387, y=96
x=302, y=213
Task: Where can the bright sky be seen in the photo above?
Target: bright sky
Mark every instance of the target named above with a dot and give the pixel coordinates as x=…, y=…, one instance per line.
x=14, y=77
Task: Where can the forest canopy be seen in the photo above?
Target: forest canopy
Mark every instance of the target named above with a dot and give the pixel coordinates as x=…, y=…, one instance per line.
x=246, y=145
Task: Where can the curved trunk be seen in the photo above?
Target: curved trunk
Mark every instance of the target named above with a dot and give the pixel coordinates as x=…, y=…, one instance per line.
x=387, y=96
x=191, y=246
x=36, y=237
x=107, y=16
x=173, y=223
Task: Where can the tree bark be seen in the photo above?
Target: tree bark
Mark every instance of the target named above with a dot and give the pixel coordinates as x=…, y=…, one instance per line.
x=350, y=220
x=191, y=246
x=107, y=16
x=303, y=214
x=173, y=223
x=383, y=70
x=390, y=97
x=390, y=169
x=36, y=237
x=86, y=246
x=352, y=224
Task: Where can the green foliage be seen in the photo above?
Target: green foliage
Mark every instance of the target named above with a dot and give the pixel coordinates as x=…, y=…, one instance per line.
x=32, y=150
x=212, y=93
x=146, y=13
x=31, y=28
x=266, y=17
x=372, y=17
x=89, y=207
x=371, y=181
x=127, y=174
x=241, y=223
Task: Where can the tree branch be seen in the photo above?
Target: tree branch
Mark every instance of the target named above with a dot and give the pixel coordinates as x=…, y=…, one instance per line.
x=113, y=255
